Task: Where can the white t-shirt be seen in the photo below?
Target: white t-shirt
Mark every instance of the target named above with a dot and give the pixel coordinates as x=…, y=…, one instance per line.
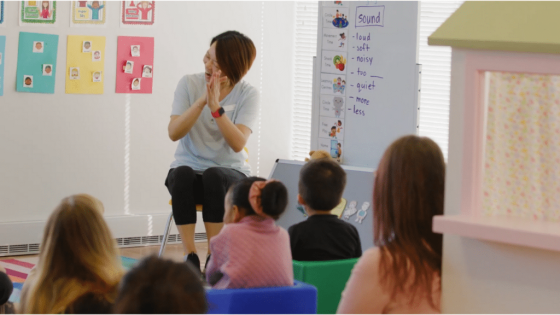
x=204, y=145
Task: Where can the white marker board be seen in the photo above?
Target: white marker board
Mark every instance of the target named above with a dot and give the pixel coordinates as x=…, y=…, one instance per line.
x=372, y=99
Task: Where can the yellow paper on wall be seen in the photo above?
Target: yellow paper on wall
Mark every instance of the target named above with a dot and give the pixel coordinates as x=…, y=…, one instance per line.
x=85, y=64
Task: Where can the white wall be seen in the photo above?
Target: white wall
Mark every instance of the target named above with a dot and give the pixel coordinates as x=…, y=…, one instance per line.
x=57, y=145
x=482, y=276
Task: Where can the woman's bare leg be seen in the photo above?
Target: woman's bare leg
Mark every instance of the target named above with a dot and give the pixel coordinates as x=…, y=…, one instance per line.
x=187, y=237
x=212, y=229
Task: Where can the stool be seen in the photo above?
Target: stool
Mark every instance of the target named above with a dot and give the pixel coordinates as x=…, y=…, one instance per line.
x=168, y=227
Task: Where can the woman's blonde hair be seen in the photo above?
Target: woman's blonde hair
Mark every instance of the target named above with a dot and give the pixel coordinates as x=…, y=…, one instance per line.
x=78, y=255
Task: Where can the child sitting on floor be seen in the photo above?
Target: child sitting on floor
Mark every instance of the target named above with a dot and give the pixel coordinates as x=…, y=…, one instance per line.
x=323, y=236
x=402, y=274
x=158, y=286
x=79, y=264
x=251, y=251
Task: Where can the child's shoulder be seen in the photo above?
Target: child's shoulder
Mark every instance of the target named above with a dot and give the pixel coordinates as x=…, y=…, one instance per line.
x=298, y=226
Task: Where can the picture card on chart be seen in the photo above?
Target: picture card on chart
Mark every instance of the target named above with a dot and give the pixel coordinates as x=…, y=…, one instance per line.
x=333, y=61
x=335, y=39
x=332, y=106
x=333, y=84
x=332, y=128
x=336, y=17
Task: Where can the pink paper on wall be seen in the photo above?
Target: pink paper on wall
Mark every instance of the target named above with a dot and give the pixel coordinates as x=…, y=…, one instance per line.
x=135, y=64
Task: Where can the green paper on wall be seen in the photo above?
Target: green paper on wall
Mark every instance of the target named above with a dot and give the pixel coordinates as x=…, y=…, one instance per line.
x=36, y=67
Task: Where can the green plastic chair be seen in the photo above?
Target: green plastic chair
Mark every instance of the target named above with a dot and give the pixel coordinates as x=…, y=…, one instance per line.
x=329, y=277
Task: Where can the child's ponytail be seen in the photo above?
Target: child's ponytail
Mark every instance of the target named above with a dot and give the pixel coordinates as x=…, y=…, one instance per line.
x=274, y=199
x=260, y=197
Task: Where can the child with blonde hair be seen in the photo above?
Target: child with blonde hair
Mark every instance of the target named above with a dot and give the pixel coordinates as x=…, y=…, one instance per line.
x=79, y=264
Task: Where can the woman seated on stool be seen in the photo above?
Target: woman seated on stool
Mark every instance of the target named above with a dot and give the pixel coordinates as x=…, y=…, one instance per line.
x=212, y=116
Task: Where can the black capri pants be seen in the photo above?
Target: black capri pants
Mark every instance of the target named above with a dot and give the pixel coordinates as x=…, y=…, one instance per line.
x=188, y=189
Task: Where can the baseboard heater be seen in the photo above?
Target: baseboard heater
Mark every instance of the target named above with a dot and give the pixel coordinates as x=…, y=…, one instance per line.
x=137, y=241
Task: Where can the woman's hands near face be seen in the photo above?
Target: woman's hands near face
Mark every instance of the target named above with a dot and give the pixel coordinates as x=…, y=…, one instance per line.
x=213, y=89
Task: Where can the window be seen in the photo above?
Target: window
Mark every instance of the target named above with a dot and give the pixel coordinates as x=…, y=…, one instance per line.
x=436, y=73
x=305, y=48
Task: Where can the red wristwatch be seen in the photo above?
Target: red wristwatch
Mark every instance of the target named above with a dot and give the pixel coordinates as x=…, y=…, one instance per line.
x=218, y=113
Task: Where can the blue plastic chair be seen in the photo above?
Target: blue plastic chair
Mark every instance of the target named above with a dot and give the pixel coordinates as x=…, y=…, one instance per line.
x=298, y=299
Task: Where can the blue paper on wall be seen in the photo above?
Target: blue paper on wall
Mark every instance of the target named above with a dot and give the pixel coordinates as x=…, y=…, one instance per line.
x=2, y=62
x=36, y=67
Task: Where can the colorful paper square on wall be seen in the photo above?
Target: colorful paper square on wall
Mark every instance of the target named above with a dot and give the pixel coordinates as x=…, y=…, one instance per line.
x=138, y=13
x=522, y=152
x=88, y=13
x=37, y=13
x=36, y=65
x=85, y=64
x=135, y=64
x=2, y=62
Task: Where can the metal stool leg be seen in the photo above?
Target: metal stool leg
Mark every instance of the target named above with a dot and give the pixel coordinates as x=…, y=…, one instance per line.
x=165, y=234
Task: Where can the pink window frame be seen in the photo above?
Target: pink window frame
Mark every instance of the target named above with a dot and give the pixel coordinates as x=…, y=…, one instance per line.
x=476, y=64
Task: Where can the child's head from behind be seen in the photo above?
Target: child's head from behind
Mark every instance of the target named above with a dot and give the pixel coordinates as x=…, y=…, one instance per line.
x=78, y=247
x=408, y=192
x=321, y=184
x=157, y=286
x=408, y=189
x=271, y=196
x=77, y=232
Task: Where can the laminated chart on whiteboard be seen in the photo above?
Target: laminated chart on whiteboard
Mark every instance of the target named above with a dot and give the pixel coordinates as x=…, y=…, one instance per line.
x=365, y=78
x=332, y=64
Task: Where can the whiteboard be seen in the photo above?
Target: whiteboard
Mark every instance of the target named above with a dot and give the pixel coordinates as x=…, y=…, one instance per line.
x=359, y=188
x=379, y=98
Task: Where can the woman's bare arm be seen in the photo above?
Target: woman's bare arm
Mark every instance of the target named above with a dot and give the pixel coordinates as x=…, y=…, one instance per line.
x=180, y=125
x=236, y=136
